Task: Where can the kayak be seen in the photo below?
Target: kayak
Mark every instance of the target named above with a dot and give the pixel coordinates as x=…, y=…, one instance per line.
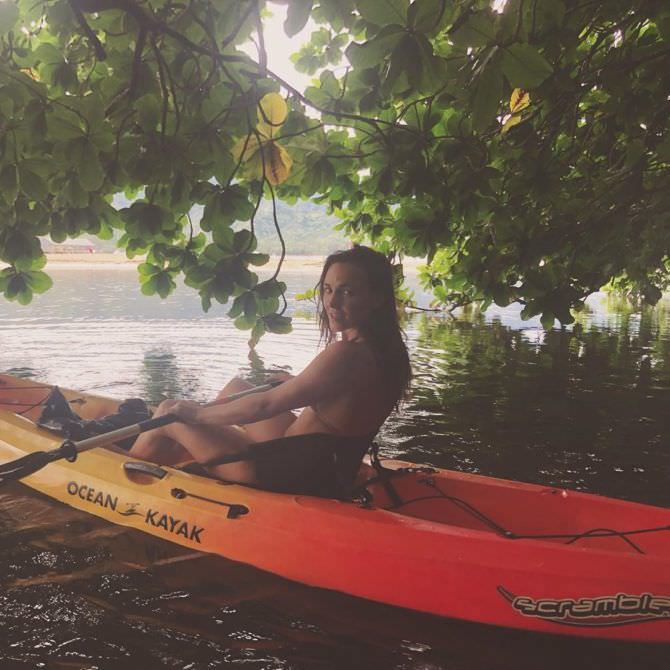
x=448, y=543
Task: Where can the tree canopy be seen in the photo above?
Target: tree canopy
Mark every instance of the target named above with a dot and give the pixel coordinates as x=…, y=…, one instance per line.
x=522, y=147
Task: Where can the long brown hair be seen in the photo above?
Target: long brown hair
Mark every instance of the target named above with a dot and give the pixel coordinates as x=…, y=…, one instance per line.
x=382, y=330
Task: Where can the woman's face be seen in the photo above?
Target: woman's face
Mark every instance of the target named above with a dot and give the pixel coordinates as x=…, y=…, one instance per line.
x=347, y=298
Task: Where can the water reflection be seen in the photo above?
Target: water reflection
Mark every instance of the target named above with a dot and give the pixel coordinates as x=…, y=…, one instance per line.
x=574, y=408
x=584, y=407
x=161, y=377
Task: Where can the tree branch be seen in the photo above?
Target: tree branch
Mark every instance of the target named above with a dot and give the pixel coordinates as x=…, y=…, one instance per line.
x=164, y=90
x=262, y=53
x=88, y=31
x=137, y=61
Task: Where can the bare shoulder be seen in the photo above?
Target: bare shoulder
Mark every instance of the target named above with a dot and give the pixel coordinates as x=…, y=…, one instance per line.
x=342, y=361
x=352, y=363
x=341, y=352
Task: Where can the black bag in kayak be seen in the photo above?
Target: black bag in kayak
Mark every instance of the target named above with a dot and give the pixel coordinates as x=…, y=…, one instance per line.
x=58, y=417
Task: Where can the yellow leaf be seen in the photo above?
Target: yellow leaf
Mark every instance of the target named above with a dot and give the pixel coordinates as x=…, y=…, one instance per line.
x=245, y=148
x=511, y=121
x=280, y=165
x=277, y=162
x=520, y=100
x=266, y=158
x=272, y=113
x=31, y=73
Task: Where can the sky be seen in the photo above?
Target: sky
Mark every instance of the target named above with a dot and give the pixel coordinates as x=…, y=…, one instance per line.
x=279, y=46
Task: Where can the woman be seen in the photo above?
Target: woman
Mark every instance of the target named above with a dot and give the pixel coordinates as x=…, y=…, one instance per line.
x=348, y=390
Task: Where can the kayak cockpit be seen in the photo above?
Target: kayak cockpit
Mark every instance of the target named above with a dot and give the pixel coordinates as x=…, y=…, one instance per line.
x=516, y=510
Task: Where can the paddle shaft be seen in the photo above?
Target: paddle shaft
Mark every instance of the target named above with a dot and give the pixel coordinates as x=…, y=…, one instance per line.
x=150, y=424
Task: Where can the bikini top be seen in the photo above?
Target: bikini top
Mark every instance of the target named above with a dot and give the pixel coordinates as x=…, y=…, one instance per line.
x=336, y=431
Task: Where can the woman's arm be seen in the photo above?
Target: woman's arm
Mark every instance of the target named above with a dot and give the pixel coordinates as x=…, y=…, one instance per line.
x=330, y=373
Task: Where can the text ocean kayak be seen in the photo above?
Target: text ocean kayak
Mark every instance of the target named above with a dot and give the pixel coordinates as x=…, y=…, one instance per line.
x=458, y=545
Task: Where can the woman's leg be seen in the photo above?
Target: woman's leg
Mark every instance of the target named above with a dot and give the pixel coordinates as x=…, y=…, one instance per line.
x=164, y=446
x=158, y=445
x=261, y=431
x=178, y=442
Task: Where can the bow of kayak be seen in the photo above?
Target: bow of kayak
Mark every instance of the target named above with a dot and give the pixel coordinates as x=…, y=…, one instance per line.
x=448, y=543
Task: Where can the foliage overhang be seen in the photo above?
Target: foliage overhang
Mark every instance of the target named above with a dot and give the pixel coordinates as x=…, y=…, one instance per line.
x=524, y=151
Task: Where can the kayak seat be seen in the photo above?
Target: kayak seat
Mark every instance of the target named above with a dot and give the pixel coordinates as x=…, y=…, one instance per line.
x=376, y=473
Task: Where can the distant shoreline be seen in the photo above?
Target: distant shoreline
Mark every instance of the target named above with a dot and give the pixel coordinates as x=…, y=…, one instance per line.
x=102, y=260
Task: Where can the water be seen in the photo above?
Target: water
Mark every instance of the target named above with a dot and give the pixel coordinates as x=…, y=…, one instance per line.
x=585, y=408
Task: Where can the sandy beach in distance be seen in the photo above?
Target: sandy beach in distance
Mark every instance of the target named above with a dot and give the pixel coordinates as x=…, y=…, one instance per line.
x=106, y=260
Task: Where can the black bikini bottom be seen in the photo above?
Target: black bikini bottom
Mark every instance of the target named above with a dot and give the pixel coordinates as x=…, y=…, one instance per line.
x=317, y=464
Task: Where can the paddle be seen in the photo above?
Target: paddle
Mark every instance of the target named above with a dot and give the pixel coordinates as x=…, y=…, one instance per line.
x=27, y=465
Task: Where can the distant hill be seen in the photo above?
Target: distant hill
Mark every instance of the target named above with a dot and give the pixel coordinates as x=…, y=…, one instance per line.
x=306, y=227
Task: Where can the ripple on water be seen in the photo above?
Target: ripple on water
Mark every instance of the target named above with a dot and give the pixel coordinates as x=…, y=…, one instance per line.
x=491, y=394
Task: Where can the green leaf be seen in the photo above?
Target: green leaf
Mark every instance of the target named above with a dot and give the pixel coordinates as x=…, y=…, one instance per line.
x=329, y=84
x=148, y=287
x=164, y=284
x=91, y=174
x=257, y=259
x=278, y=324
x=9, y=183
x=382, y=12
x=268, y=306
x=222, y=286
x=547, y=320
x=427, y=16
x=219, y=98
x=488, y=94
x=64, y=76
x=20, y=244
x=524, y=66
x=296, y=16
x=149, y=111
x=237, y=307
x=38, y=282
x=271, y=288
x=374, y=51
x=47, y=53
x=34, y=187
x=61, y=128
x=245, y=323
x=409, y=52
x=148, y=269
x=477, y=31
x=245, y=278
x=249, y=304
x=235, y=205
x=433, y=68
x=16, y=288
x=549, y=14
x=198, y=275
x=73, y=194
x=244, y=241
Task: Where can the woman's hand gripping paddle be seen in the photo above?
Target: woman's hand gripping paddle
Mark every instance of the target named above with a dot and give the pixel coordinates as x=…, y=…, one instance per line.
x=27, y=465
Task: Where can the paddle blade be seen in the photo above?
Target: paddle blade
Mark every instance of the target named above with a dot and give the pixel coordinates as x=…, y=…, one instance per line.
x=24, y=466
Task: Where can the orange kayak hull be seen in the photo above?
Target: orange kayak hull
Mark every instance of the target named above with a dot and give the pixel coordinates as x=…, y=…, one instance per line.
x=460, y=545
